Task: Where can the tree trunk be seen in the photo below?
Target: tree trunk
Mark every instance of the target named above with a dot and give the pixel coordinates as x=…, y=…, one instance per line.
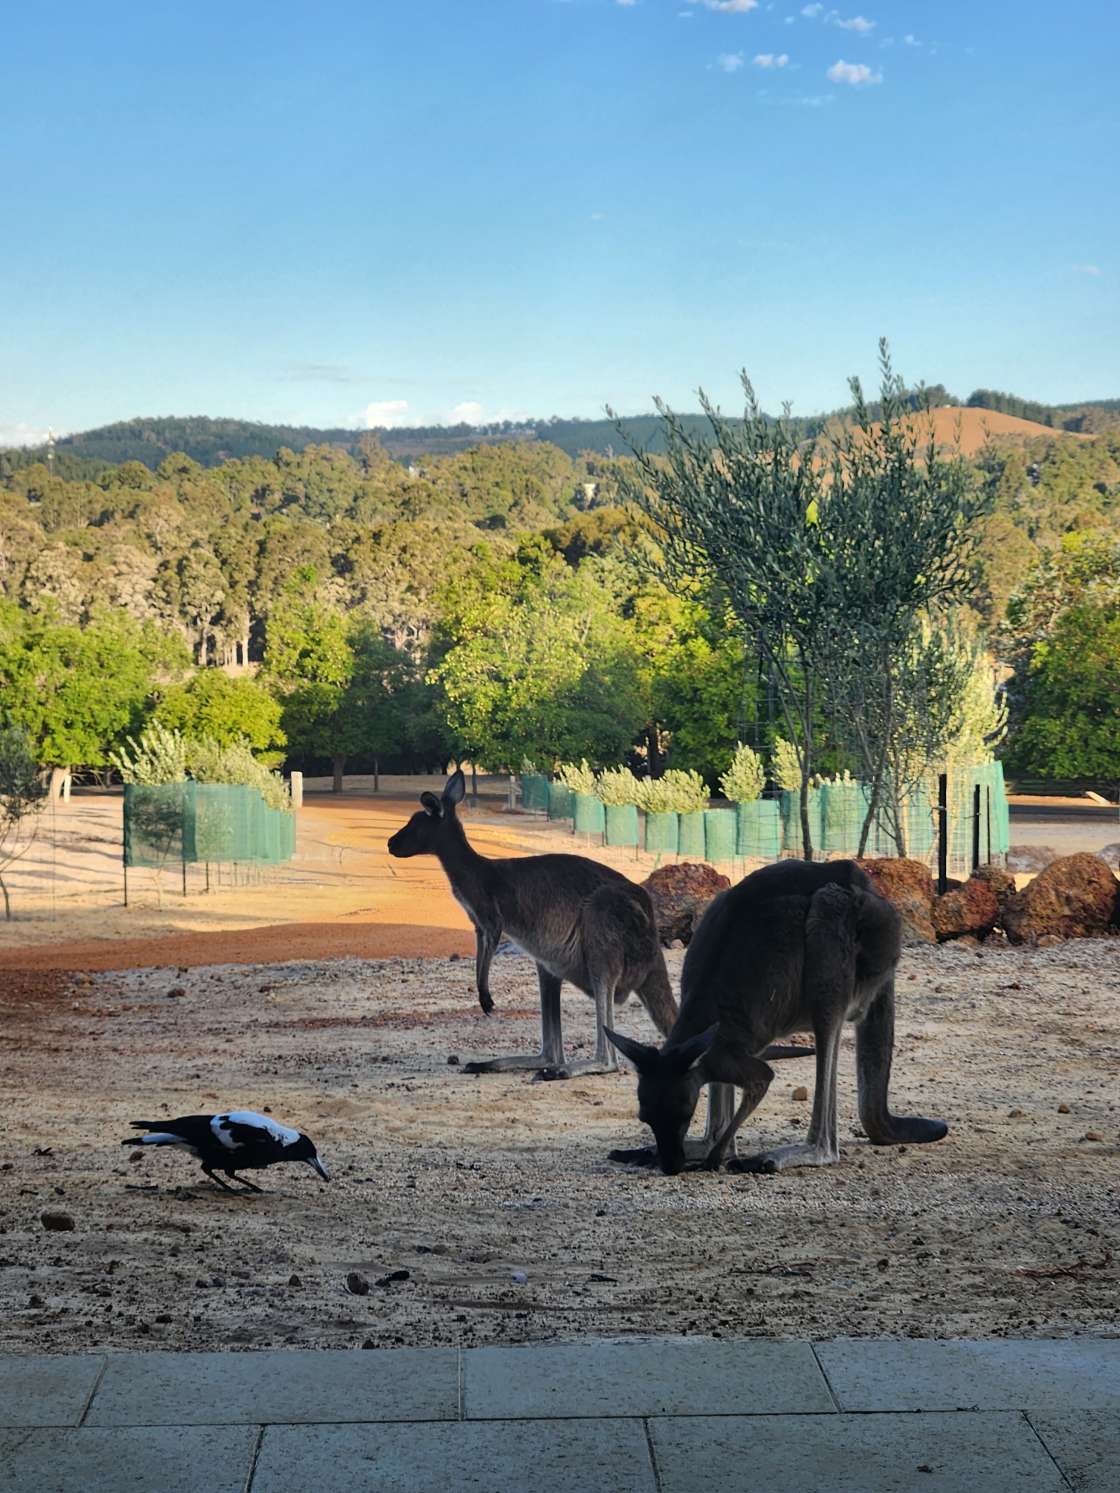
x=376, y=777
x=653, y=752
x=7, y=902
x=338, y=763
x=474, y=786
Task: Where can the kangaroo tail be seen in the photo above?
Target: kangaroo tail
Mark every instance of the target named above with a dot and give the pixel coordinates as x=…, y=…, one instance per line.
x=656, y=994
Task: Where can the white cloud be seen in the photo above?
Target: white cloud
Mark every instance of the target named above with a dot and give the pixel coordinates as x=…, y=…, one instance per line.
x=855, y=73
x=626, y=2
x=857, y=23
x=730, y=7
x=767, y=59
x=21, y=434
x=469, y=412
x=386, y=413
x=911, y=40
x=812, y=11
x=598, y=217
x=730, y=62
x=1086, y=269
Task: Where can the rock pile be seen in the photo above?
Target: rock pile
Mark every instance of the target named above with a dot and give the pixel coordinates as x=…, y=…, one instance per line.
x=680, y=898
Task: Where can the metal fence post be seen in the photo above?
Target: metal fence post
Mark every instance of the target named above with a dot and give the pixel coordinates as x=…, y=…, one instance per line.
x=976, y=827
x=942, y=833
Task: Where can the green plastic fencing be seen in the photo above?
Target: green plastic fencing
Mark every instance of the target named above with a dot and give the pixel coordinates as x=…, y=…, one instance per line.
x=622, y=824
x=561, y=801
x=758, y=830
x=590, y=818
x=792, y=840
x=662, y=833
x=534, y=792
x=720, y=833
x=690, y=835
x=181, y=823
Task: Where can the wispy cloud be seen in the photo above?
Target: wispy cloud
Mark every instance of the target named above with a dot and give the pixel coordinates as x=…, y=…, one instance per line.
x=598, y=217
x=322, y=373
x=730, y=7
x=1086, y=269
x=768, y=59
x=730, y=62
x=855, y=73
x=626, y=2
x=911, y=40
x=384, y=414
x=469, y=412
x=857, y=23
x=21, y=434
x=811, y=12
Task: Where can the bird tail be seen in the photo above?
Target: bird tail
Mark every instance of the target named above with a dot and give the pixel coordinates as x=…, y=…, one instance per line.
x=145, y=1124
x=157, y=1138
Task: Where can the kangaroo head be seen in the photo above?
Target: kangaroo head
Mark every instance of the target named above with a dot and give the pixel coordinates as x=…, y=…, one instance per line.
x=669, y=1084
x=423, y=832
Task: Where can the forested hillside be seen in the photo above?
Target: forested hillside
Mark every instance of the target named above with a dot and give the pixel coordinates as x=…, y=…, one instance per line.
x=492, y=600
x=211, y=442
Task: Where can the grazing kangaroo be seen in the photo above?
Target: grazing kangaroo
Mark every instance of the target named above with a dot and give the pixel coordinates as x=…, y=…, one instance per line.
x=578, y=920
x=794, y=945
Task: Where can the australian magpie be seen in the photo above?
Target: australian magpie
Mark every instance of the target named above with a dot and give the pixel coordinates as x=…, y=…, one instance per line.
x=236, y=1142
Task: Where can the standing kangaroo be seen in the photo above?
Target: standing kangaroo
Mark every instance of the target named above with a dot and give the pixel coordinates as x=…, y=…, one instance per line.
x=794, y=945
x=579, y=921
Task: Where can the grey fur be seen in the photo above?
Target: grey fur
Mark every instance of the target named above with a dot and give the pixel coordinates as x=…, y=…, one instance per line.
x=793, y=946
x=579, y=921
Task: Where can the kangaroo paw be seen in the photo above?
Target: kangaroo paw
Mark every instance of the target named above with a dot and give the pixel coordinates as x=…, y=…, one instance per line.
x=643, y=1156
x=907, y=1130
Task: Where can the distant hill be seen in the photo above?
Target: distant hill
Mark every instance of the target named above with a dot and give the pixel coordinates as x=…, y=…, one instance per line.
x=212, y=441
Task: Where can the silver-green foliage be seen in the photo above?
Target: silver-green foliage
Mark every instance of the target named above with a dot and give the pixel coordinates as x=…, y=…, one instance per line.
x=785, y=765
x=579, y=777
x=617, y=786
x=160, y=756
x=744, y=780
x=210, y=762
x=676, y=792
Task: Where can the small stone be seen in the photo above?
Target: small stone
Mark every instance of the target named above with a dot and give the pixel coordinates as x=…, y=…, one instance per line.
x=58, y=1223
x=1092, y=1135
x=1014, y=1114
x=176, y=990
x=454, y=958
x=1063, y=1109
x=295, y=1282
x=369, y=1343
x=452, y=1060
x=164, y=1317
x=35, y=1301
x=357, y=1284
x=136, y=1156
x=519, y=1277
x=800, y=1094
x=394, y=1275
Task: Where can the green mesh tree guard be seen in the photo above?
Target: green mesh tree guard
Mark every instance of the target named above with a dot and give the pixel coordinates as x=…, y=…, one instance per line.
x=758, y=830
x=720, y=835
x=589, y=816
x=690, y=835
x=534, y=793
x=560, y=801
x=662, y=833
x=791, y=820
x=622, y=824
x=191, y=822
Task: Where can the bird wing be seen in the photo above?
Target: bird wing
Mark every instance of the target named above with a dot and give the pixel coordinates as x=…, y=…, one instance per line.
x=251, y=1134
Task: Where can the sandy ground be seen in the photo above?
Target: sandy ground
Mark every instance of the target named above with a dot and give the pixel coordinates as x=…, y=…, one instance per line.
x=494, y=1194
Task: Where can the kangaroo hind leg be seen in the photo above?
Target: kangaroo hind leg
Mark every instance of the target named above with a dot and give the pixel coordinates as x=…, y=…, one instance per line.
x=874, y=1050
x=551, y=1055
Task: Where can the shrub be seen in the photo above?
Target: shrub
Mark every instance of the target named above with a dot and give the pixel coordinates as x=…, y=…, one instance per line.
x=211, y=763
x=580, y=779
x=785, y=769
x=676, y=793
x=743, y=781
x=160, y=756
x=618, y=785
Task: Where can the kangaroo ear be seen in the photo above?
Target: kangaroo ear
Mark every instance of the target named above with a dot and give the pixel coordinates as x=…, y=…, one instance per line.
x=689, y=1053
x=455, y=789
x=640, y=1054
x=431, y=804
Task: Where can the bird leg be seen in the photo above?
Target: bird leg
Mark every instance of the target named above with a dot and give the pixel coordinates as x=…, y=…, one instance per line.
x=215, y=1178
x=241, y=1182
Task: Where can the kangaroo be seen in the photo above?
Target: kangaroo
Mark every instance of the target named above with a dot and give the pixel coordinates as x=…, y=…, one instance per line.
x=794, y=945
x=579, y=921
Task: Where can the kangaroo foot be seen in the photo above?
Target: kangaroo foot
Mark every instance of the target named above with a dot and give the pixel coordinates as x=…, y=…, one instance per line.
x=642, y=1156
x=783, y=1158
x=579, y=1066
x=906, y=1130
x=524, y=1063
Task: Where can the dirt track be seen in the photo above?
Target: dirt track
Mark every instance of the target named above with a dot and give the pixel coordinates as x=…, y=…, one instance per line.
x=494, y=1194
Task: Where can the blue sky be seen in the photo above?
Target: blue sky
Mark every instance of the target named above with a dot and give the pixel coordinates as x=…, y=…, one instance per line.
x=387, y=212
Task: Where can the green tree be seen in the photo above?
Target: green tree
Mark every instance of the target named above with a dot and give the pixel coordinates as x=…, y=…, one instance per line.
x=21, y=798
x=224, y=710
x=1070, y=710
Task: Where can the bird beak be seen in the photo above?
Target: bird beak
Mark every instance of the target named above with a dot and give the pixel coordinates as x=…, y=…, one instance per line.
x=319, y=1167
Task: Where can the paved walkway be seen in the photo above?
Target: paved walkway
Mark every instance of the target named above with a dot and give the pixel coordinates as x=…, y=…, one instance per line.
x=616, y=1416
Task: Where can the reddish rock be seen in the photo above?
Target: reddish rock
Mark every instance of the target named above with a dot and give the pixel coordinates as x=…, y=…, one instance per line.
x=1031, y=858
x=908, y=886
x=973, y=909
x=1075, y=897
x=1000, y=881
x=680, y=898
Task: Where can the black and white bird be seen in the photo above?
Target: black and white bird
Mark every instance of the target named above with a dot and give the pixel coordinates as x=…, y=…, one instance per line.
x=236, y=1142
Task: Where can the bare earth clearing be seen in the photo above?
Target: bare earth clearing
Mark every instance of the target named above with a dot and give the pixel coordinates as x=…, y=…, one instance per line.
x=494, y=1193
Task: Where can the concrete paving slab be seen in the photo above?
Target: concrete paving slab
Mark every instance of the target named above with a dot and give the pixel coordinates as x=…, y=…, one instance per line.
x=1042, y=1374
x=688, y=1376
x=46, y=1391
x=153, y=1389
x=128, y=1459
x=610, y=1456
x=1086, y=1446
x=983, y=1452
